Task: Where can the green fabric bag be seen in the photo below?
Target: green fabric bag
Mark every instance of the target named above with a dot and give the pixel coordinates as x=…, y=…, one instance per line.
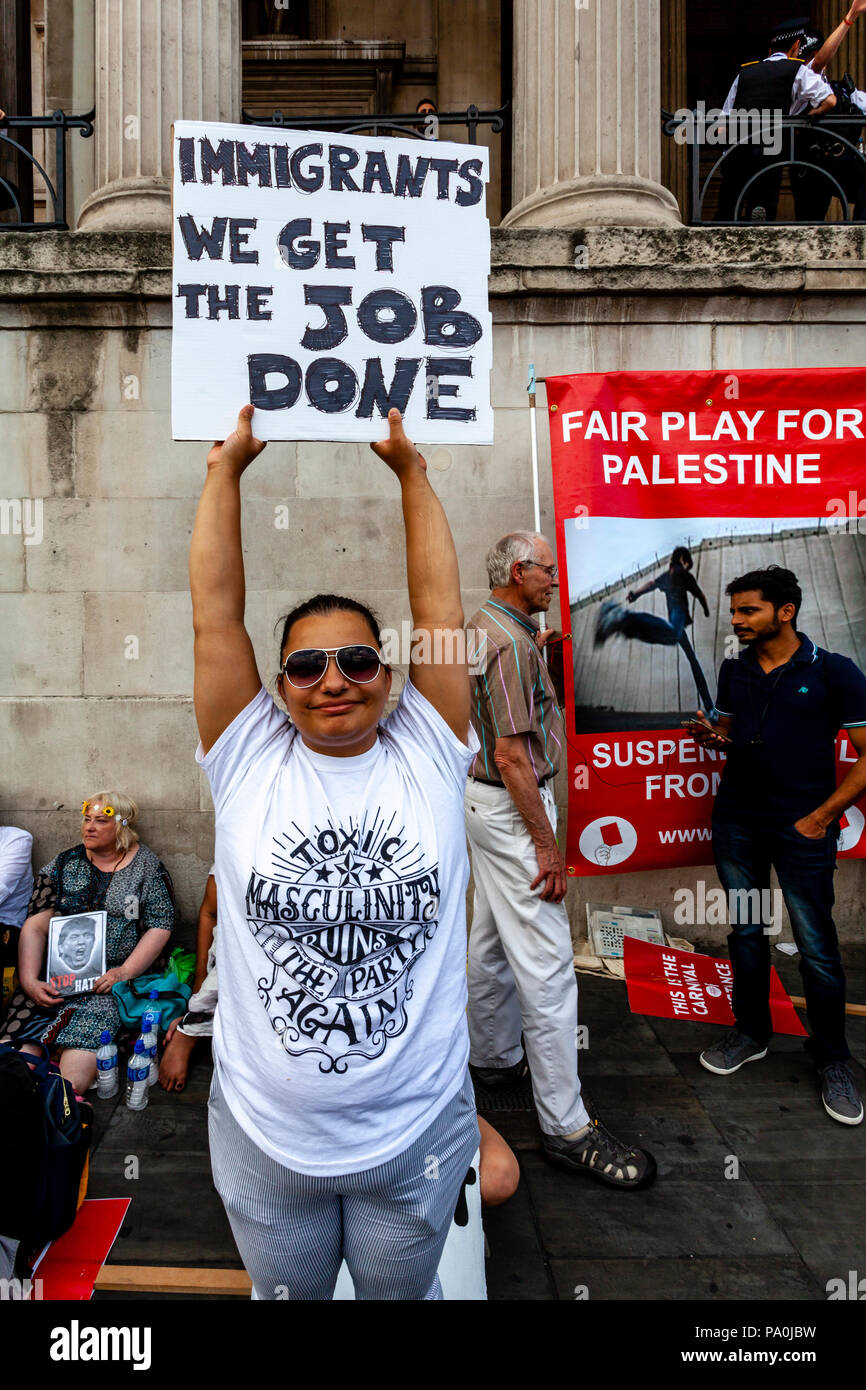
x=133, y=998
x=183, y=964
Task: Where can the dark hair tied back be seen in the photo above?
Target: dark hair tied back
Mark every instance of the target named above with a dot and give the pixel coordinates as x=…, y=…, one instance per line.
x=322, y=606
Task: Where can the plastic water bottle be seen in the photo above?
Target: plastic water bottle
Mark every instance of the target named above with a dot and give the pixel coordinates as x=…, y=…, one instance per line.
x=136, y=1078
x=106, y=1067
x=150, y=1037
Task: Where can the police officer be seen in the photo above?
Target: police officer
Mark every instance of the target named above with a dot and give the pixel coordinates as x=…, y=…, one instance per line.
x=781, y=82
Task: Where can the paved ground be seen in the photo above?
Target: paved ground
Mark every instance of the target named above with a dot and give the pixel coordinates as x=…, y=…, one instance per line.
x=793, y=1218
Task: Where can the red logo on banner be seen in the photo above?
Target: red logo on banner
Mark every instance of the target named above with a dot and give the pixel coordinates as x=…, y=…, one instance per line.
x=667, y=983
x=668, y=485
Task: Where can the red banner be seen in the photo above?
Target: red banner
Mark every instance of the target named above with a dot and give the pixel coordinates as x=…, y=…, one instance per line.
x=666, y=983
x=741, y=470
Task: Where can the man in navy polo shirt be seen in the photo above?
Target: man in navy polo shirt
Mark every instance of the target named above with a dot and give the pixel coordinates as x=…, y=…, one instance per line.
x=779, y=708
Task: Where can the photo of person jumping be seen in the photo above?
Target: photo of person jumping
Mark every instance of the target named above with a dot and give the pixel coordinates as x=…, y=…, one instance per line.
x=676, y=583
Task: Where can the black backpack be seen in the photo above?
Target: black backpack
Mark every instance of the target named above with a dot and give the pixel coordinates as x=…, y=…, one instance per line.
x=846, y=106
x=844, y=89
x=44, y=1150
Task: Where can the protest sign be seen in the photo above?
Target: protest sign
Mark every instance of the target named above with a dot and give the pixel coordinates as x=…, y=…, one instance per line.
x=76, y=952
x=667, y=983
x=740, y=472
x=327, y=278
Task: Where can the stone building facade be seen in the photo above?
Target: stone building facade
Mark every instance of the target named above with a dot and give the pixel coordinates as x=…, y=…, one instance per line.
x=96, y=665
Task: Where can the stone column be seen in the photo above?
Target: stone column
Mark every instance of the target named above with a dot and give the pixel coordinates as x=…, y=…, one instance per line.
x=157, y=61
x=674, y=95
x=587, y=115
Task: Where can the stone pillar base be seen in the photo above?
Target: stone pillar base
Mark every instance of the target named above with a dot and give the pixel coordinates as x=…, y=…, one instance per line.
x=156, y=61
x=598, y=200
x=140, y=204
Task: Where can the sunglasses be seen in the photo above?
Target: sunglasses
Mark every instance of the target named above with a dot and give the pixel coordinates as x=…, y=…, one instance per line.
x=306, y=667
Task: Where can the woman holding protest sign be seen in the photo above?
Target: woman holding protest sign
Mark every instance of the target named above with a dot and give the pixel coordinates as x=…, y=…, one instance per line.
x=342, y=1119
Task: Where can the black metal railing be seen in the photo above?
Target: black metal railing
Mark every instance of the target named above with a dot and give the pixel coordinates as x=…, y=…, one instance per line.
x=16, y=194
x=735, y=176
x=424, y=126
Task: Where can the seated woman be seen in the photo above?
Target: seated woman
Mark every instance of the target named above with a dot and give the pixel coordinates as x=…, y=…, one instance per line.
x=111, y=871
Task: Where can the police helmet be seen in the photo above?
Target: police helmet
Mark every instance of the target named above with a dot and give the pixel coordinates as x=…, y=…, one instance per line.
x=788, y=32
x=811, y=44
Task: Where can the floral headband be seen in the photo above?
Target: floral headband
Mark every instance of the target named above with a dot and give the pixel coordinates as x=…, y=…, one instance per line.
x=106, y=811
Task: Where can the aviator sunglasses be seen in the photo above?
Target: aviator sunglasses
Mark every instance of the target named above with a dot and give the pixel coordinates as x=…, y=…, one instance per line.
x=304, y=668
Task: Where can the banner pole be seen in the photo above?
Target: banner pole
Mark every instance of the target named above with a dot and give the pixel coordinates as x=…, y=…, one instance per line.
x=536, y=499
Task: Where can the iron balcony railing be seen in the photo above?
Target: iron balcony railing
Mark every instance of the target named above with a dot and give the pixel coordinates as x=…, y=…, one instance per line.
x=423, y=126
x=16, y=192
x=737, y=172
x=14, y=197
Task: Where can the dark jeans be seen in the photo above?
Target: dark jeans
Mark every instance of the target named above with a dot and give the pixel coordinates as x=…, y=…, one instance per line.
x=744, y=855
x=646, y=627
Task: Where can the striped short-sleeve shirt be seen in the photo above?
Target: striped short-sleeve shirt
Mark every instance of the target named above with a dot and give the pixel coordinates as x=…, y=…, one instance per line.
x=512, y=693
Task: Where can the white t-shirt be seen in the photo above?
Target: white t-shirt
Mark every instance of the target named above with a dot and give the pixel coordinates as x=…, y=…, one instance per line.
x=341, y=952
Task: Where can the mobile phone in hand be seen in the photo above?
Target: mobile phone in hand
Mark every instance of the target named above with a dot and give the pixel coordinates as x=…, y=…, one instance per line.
x=705, y=728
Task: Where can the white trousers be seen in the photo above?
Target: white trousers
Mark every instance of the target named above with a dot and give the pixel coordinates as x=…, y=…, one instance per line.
x=521, y=961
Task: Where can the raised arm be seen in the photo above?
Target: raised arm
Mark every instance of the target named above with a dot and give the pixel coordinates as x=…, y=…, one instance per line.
x=825, y=55
x=638, y=593
x=226, y=678
x=440, y=672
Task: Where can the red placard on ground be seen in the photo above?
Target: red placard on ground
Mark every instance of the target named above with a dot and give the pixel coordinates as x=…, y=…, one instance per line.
x=69, y=1267
x=667, y=983
x=734, y=471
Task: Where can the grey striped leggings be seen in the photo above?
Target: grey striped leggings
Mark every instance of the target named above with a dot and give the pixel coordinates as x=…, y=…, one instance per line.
x=388, y=1223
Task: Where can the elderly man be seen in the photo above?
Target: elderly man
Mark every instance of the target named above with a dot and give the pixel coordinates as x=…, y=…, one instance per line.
x=521, y=969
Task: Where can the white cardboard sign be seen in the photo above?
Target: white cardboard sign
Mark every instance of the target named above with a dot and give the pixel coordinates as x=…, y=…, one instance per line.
x=326, y=277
